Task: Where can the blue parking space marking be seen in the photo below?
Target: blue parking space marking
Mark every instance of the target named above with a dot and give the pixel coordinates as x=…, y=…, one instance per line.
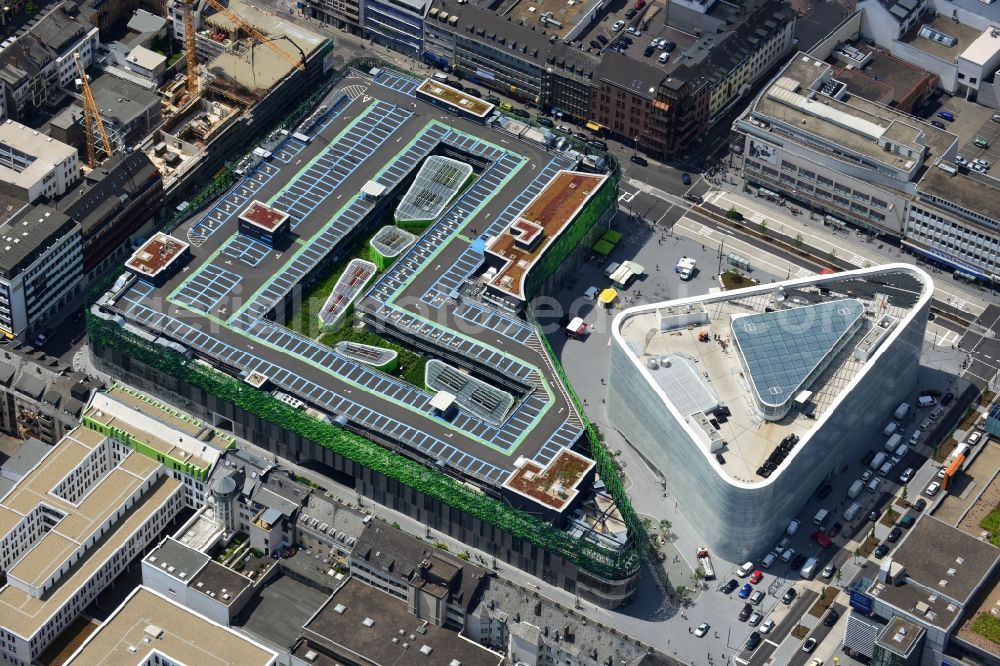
x=247, y=250
x=205, y=290
x=397, y=82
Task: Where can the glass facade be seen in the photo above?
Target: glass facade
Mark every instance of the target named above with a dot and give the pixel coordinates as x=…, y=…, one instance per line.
x=740, y=519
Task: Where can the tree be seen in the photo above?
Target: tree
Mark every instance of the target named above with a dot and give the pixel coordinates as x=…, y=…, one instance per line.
x=838, y=576
x=665, y=526
x=903, y=491
x=763, y=226
x=698, y=576
x=832, y=254
x=856, y=554
x=30, y=8
x=734, y=214
x=681, y=594
x=798, y=240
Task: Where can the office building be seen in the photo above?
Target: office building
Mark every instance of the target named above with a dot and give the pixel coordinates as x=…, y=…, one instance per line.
x=437, y=586
x=33, y=166
x=359, y=625
x=396, y=24
x=765, y=392
x=68, y=528
x=920, y=597
x=807, y=137
x=151, y=628
x=41, y=265
x=129, y=111
x=344, y=14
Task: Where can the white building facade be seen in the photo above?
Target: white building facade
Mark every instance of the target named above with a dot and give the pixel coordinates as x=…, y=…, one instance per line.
x=738, y=517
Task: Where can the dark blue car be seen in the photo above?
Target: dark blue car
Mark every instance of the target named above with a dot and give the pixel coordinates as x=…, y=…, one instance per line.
x=746, y=590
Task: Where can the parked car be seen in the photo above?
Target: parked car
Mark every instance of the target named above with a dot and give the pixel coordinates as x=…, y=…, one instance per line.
x=829, y=570
x=745, y=569
x=787, y=556
x=894, y=535
x=932, y=489
x=874, y=515
x=493, y=99
x=729, y=586
x=947, y=398
x=906, y=475
x=799, y=560
x=667, y=46
x=474, y=92
x=938, y=124
x=756, y=576
x=639, y=4
x=640, y=160
x=946, y=115
x=630, y=12
x=767, y=626
x=755, y=618
x=920, y=504
x=745, y=591
x=546, y=122
x=831, y=618
x=745, y=612
x=809, y=645
x=702, y=629
x=618, y=25
x=753, y=641
x=867, y=474
x=649, y=50
x=663, y=58
x=880, y=551
x=834, y=530
x=757, y=597
x=789, y=596
x=686, y=178
x=768, y=560
x=822, y=539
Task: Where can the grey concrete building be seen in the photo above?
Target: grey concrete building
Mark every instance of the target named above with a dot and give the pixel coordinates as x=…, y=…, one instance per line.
x=793, y=379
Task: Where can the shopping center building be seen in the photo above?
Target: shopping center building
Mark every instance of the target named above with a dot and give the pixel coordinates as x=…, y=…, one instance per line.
x=747, y=401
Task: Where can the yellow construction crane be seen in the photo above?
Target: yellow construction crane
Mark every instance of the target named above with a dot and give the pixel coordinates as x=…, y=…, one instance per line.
x=255, y=34
x=191, y=52
x=91, y=116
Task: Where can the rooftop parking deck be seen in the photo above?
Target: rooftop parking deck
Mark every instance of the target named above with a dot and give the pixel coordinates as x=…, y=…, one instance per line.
x=218, y=305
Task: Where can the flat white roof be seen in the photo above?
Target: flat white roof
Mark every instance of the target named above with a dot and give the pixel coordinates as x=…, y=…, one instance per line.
x=984, y=48
x=44, y=152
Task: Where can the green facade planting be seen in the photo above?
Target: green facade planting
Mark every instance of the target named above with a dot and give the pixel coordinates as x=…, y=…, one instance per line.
x=436, y=485
x=137, y=445
x=570, y=238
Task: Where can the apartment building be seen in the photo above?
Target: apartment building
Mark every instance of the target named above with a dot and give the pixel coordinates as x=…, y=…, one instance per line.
x=41, y=265
x=344, y=14
x=40, y=63
x=114, y=204
x=39, y=399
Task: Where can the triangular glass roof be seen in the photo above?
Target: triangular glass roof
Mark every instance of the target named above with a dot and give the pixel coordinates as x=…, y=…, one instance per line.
x=781, y=349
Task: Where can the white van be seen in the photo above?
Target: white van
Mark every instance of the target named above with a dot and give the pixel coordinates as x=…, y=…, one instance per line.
x=874, y=484
x=768, y=560
x=851, y=511
x=809, y=568
x=901, y=411
x=926, y=401
x=855, y=489
x=893, y=442
x=793, y=527
x=439, y=76
x=878, y=460
x=901, y=451
x=591, y=293
x=890, y=428
x=820, y=517
x=886, y=468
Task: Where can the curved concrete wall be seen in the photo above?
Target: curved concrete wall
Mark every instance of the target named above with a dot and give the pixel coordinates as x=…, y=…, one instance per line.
x=740, y=520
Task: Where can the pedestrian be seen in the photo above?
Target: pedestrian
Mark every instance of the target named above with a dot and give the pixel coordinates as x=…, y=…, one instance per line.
x=689, y=630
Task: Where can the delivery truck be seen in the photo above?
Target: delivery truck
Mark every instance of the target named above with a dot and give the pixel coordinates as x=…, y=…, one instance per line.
x=685, y=267
x=705, y=560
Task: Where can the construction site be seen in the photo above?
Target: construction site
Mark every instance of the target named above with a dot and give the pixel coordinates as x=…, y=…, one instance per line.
x=240, y=67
